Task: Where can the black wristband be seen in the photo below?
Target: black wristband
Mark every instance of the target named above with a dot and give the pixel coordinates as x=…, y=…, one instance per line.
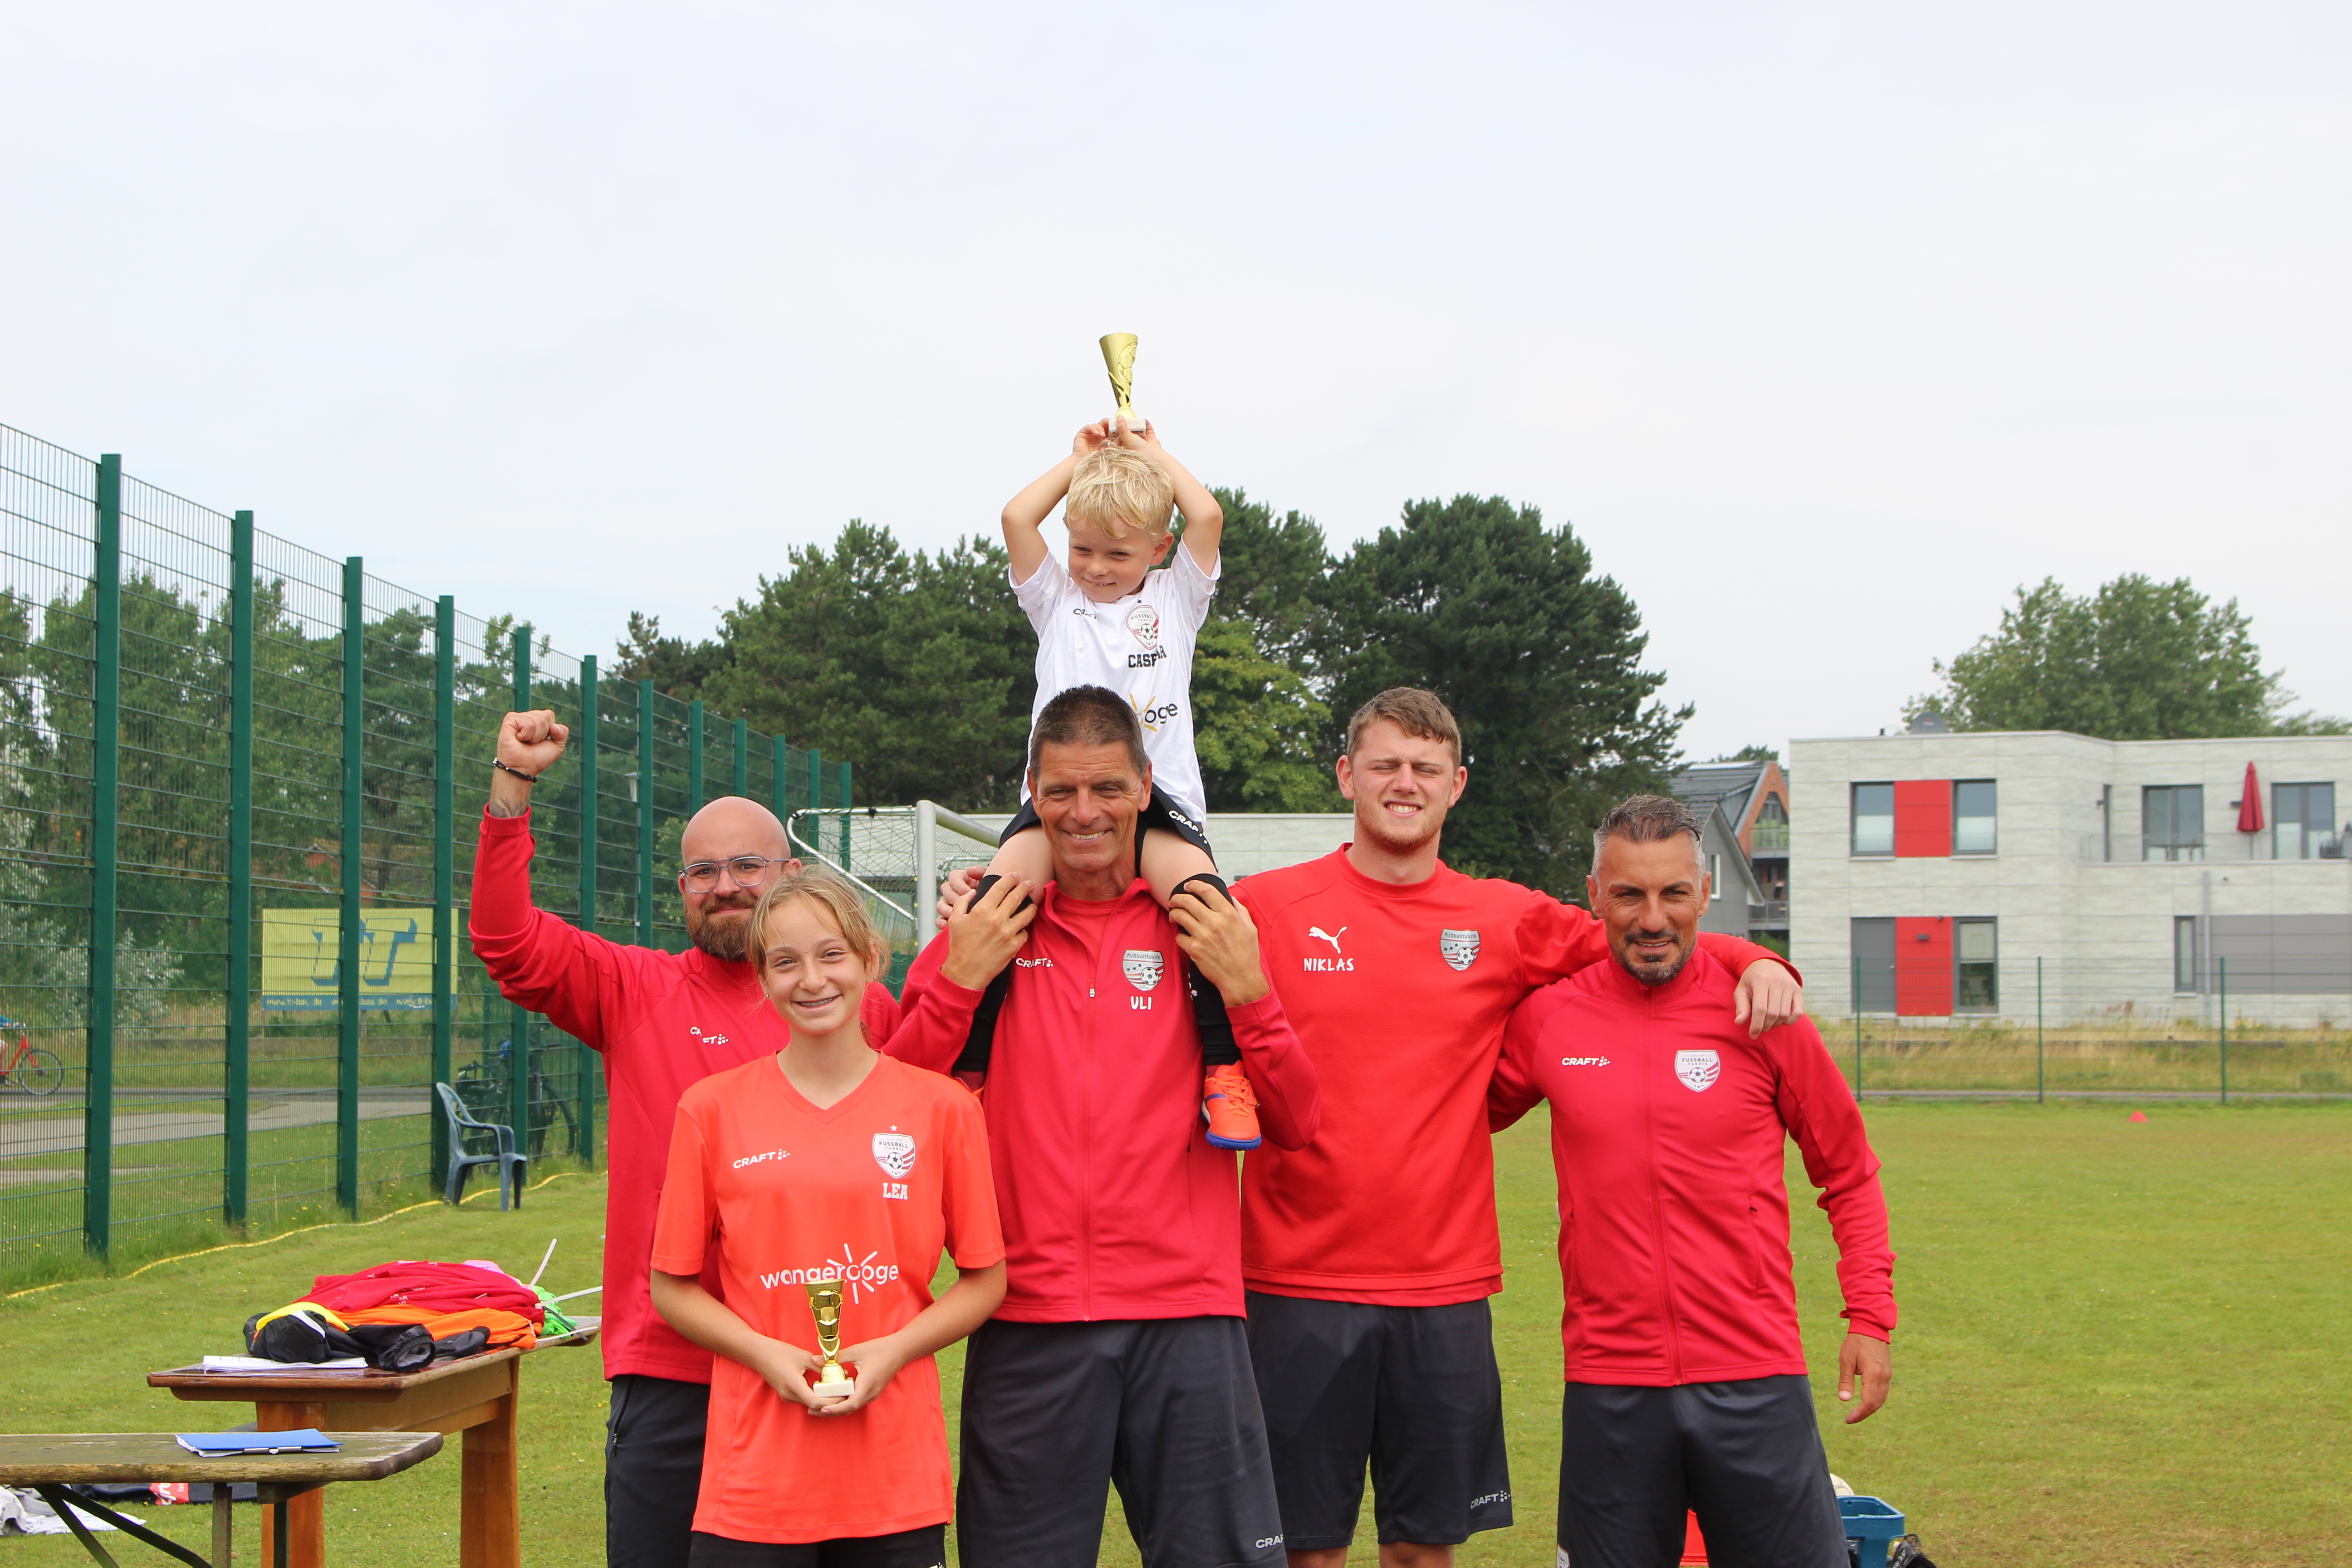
x=527, y=778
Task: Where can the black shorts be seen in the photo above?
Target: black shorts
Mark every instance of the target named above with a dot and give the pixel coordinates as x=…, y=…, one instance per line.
x=653, y=1467
x=1412, y=1391
x=1746, y=1456
x=1055, y=1413
x=1161, y=814
x=924, y=1548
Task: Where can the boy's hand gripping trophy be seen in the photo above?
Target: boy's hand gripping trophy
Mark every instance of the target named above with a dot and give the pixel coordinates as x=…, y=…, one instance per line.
x=824, y=1303
x=1118, y=353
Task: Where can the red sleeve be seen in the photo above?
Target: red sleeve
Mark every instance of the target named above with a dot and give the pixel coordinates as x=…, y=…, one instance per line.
x=879, y=1013
x=934, y=1013
x=1819, y=1113
x=1511, y=1093
x=975, y=1239
x=540, y=961
x=1556, y=940
x=687, y=1220
x=1289, y=1094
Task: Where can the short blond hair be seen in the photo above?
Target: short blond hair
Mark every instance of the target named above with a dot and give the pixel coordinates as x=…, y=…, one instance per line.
x=1116, y=488
x=1417, y=712
x=830, y=893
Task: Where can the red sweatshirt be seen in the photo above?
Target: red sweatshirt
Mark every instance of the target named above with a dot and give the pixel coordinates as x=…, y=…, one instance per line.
x=1668, y=1125
x=1399, y=993
x=663, y=1021
x=1115, y=1203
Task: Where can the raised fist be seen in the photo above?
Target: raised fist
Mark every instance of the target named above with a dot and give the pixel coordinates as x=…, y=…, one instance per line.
x=531, y=742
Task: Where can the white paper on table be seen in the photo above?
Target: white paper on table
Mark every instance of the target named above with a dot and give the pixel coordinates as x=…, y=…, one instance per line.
x=263, y=1363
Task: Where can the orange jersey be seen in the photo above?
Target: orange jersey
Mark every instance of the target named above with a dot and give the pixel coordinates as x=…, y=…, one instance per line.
x=866, y=1192
x=1399, y=995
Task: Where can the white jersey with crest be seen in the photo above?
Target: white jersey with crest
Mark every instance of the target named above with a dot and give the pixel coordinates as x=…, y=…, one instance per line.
x=1141, y=648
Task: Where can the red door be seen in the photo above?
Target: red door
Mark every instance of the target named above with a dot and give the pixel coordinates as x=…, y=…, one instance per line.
x=1923, y=965
x=1923, y=817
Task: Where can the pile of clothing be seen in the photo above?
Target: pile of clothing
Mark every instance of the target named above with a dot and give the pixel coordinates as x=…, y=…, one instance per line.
x=400, y=1317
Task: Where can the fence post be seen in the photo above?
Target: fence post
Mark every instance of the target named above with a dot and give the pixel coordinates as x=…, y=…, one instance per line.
x=1857, y=1028
x=816, y=797
x=742, y=758
x=781, y=786
x=347, y=955
x=2040, y=1076
x=645, y=812
x=518, y=1035
x=845, y=815
x=2224, y=965
x=694, y=757
x=586, y=1068
x=926, y=872
x=236, y=1103
x=105, y=809
x=444, y=869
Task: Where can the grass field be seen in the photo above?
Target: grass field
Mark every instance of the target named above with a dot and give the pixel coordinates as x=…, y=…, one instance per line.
x=2119, y=1345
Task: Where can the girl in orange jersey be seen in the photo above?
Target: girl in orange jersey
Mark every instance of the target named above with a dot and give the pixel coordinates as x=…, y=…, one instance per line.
x=825, y=1163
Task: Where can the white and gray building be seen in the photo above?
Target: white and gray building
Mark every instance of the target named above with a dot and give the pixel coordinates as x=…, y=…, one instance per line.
x=1938, y=877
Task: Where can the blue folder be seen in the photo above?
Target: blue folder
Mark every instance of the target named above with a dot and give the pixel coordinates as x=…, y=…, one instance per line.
x=298, y=1440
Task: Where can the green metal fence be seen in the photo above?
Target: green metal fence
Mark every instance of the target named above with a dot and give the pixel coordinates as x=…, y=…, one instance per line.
x=239, y=786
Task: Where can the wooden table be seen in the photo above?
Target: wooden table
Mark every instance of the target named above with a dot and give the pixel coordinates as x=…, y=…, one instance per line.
x=50, y=1462
x=475, y=1394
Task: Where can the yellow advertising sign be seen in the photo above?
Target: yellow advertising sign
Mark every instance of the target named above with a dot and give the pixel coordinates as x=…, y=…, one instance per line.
x=300, y=953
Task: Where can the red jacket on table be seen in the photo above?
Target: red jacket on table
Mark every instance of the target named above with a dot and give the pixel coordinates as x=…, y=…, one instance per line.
x=1400, y=992
x=1115, y=1203
x=1668, y=1125
x=663, y=1021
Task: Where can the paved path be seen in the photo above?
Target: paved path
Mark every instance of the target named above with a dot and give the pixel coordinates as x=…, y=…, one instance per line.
x=272, y=1110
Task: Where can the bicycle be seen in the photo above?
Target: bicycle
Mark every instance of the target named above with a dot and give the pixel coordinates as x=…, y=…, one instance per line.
x=485, y=1096
x=26, y=1067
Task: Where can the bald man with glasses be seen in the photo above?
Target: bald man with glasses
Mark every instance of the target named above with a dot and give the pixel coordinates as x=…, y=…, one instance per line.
x=662, y=1021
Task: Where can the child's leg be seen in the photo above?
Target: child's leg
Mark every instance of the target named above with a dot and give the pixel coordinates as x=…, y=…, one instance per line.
x=1169, y=861
x=1025, y=856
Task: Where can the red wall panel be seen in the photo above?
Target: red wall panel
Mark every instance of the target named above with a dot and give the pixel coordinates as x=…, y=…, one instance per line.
x=1923, y=963
x=1923, y=817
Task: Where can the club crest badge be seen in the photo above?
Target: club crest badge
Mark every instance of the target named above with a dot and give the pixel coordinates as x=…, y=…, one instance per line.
x=1144, y=621
x=1697, y=1069
x=1143, y=966
x=1458, y=948
x=895, y=1152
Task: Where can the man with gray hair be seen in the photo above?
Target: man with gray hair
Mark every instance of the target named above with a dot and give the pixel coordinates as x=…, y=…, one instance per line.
x=1687, y=1386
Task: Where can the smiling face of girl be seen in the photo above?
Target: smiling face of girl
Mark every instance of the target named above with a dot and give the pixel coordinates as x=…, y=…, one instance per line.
x=813, y=975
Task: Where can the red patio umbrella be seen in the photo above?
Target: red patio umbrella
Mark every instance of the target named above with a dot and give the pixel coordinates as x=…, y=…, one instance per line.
x=2250, y=803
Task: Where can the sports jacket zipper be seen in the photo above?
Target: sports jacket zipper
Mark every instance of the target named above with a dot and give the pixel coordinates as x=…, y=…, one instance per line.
x=1657, y=1199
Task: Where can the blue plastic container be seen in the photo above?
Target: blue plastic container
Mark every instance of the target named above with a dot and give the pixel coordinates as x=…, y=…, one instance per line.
x=1871, y=1521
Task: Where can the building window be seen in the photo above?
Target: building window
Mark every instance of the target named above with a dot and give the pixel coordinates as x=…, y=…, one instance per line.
x=1972, y=814
x=2186, y=973
x=1873, y=965
x=1874, y=820
x=1976, y=967
x=1770, y=830
x=2172, y=822
x=2303, y=818
x=1713, y=877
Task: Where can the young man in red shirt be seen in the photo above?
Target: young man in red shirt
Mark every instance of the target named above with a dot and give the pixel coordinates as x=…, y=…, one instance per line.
x=1118, y=1354
x=1687, y=1386
x=662, y=1021
x=1370, y=1254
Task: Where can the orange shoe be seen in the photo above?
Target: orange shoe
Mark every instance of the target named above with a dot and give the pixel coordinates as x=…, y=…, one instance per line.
x=1229, y=1105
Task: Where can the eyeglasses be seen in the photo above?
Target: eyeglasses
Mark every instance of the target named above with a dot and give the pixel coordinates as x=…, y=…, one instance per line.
x=746, y=870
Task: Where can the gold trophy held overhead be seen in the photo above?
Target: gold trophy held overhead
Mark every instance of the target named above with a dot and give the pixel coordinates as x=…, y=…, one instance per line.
x=1118, y=353
x=824, y=1304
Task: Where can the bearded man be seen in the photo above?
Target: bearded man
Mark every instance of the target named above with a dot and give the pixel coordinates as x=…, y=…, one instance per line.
x=662, y=1021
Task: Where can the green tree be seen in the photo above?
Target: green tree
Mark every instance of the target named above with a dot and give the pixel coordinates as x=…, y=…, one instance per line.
x=678, y=668
x=2138, y=660
x=919, y=667
x=1540, y=658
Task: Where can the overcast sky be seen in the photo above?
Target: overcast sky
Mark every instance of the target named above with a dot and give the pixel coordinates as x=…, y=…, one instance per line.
x=1826, y=326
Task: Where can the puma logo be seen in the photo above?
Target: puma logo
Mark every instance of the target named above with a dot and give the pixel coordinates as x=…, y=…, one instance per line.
x=1332, y=937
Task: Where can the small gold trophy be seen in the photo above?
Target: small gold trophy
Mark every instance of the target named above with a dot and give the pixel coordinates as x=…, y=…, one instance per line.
x=1118, y=353
x=825, y=1302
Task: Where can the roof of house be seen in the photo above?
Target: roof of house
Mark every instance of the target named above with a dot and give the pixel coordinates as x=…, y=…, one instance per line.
x=1727, y=783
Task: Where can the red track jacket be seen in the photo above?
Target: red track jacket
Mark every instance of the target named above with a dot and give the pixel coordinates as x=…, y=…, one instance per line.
x=1667, y=1131
x=663, y=1021
x=1115, y=1203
